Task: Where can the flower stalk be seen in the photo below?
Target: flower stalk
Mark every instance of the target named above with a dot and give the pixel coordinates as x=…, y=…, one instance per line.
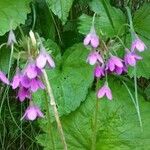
x=53, y=104
x=135, y=77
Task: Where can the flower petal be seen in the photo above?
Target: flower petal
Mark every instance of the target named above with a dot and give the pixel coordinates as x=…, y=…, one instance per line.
x=41, y=61
x=3, y=78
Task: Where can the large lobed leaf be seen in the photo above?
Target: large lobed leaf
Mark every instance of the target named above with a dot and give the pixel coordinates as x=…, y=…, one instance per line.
x=13, y=12
x=70, y=80
x=142, y=21
x=118, y=126
x=109, y=21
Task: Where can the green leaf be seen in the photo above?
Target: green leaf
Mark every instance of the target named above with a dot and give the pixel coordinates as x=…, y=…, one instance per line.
x=53, y=48
x=44, y=21
x=107, y=23
x=4, y=59
x=60, y=8
x=141, y=21
x=117, y=126
x=12, y=11
x=71, y=79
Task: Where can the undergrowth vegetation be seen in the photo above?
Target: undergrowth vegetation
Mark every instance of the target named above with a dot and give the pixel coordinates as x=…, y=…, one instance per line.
x=74, y=74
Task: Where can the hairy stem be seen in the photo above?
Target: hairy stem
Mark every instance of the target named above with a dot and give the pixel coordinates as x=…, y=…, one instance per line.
x=53, y=104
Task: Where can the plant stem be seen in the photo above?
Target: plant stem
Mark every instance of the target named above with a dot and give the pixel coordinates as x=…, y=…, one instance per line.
x=135, y=77
x=53, y=104
x=49, y=122
x=132, y=98
x=131, y=23
x=136, y=99
x=34, y=16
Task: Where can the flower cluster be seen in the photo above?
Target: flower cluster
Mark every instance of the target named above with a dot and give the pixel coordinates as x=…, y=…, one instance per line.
x=107, y=63
x=27, y=80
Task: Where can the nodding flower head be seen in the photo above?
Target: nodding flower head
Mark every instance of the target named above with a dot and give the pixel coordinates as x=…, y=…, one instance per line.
x=44, y=59
x=32, y=112
x=131, y=58
x=138, y=44
x=99, y=71
x=17, y=79
x=115, y=64
x=23, y=93
x=3, y=78
x=20, y=80
x=104, y=91
x=11, y=38
x=31, y=70
x=94, y=57
x=92, y=38
x=35, y=84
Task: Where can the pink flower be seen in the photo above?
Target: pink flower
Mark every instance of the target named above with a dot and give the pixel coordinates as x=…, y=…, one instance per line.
x=32, y=70
x=93, y=57
x=32, y=112
x=23, y=93
x=20, y=80
x=43, y=59
x=138, y=44
x=3, y=78
x=92, y=39
x=25, y=81
x=105, y=91
x=11, y=38
x=99, y=71
x=131, y=58
x=35, y=84
x=119, y=70
x=16, y=80
x=115, y=64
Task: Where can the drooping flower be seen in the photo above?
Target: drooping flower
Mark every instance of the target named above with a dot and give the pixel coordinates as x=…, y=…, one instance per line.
x=131, y=58
x=92, y=38
x=138, y=44
x=11, y=38
x=44, y=59
x=94, y=57
x=99, y=71
x=105, y=91
x=23, y=93
x=16, y=80
x=25, y=81
x=119, y=70
x=3, y=78
x=32, y=71
x=35, y=84
x=114, y=64
x=32, y=112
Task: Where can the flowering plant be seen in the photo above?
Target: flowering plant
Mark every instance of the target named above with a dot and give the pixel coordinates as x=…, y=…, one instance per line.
x=74, y=74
